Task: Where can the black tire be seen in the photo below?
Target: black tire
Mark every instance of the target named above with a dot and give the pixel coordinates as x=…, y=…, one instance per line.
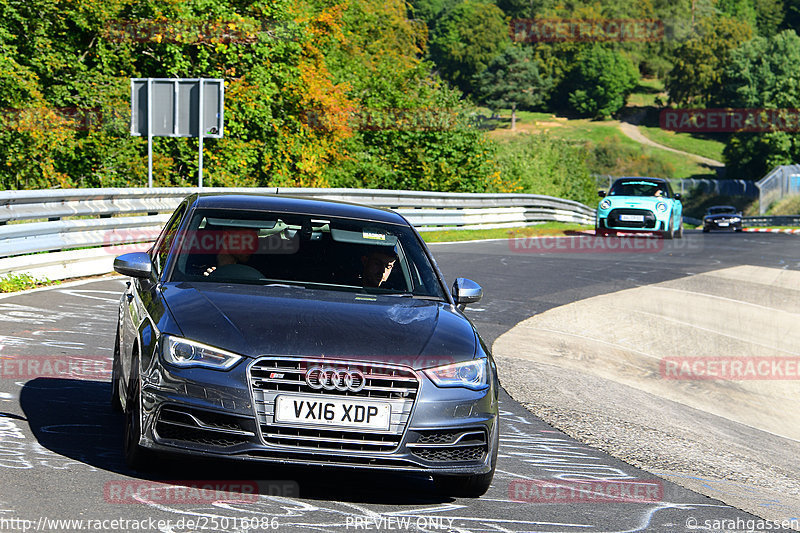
x=116, y=404
x=679, y=233
x=706, y=230
x=668, y=233
x=136, y=457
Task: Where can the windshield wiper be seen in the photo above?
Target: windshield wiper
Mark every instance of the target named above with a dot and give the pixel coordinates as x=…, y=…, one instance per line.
x=410, y=295
x=286, y=285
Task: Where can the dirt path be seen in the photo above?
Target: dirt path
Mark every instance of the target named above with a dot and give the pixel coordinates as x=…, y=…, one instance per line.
x=632, y=131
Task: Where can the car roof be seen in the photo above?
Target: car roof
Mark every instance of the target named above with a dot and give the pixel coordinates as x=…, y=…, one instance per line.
x=633, y=178
x=721, y=207
x=293, y=204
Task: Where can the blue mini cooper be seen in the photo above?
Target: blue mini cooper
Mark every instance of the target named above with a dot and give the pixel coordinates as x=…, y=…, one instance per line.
x=640, y=205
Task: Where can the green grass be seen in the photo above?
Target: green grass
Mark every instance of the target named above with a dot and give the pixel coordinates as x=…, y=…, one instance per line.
x=548, y=228
x=685, y=141
x=595, y=131
x=647, y=92
x=21, y=282
x=789, y=205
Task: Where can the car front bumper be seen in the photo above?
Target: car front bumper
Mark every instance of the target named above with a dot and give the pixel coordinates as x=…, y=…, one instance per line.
x=645, y=220
x=229, y=414
x=722, y=225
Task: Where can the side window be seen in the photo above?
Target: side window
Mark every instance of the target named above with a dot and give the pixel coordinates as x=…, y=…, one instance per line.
x=164, y=242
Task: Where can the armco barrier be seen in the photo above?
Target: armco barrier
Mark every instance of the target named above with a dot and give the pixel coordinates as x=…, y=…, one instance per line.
x=83, y=229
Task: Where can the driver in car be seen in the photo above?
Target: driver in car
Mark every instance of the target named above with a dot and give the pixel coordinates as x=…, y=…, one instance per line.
x=377, y=267
x=236, y=247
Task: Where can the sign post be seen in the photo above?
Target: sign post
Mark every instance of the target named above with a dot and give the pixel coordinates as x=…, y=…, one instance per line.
x=177, y=107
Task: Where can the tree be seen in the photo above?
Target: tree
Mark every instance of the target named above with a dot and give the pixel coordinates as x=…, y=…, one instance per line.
x=696, y=75
x=466, y=39
x=600, y=82
x=513, y=80
x=762, y=74
x=542, y=164
x=295, y=72
x=769, y=16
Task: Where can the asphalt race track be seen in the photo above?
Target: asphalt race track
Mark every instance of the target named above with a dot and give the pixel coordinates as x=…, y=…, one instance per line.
x=60, y=445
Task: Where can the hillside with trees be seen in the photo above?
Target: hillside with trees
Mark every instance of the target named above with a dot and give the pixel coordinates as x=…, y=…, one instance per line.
x=356, y=93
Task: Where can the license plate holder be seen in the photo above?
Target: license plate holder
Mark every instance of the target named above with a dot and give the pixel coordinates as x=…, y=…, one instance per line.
x=347, y=413
x=631, y=218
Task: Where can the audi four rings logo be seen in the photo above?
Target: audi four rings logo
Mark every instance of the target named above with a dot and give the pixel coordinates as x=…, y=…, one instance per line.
x=329, y=378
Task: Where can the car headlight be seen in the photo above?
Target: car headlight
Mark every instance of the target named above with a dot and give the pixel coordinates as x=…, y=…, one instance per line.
x=470, y=374
x=605, y=204
x=661, y=207
x=186, y=353
x=735, y=219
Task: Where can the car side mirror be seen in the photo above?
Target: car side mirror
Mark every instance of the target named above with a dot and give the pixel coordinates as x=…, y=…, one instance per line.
x=601, y=194
x=677, y=196
x=136, y=265
x=465, y=291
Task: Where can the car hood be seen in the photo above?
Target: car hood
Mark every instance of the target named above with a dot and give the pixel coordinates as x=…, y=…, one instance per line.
x=648, y=202
x=253, y=321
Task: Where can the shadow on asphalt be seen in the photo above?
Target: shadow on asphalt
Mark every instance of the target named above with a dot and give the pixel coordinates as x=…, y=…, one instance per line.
x=73, y=418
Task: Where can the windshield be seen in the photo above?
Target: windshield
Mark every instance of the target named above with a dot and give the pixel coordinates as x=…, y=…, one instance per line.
x=638, y=188
x=252, y=247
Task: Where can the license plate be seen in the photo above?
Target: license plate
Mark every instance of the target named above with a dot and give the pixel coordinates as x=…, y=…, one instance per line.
x=722, y=224
x=632, y=218
x=348, y=413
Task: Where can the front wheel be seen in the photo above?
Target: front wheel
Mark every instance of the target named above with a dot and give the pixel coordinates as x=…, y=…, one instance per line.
x=668, y=233
x=679, y=233
x=116, y=405
x=136, y=457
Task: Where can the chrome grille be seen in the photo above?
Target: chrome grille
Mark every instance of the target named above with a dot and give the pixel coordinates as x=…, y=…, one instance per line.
x=392, y=384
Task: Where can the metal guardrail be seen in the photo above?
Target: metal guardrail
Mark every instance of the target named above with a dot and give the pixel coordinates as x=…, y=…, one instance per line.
x=774, y=220
x=781, y=181
x=108, y=221
x=684, y=186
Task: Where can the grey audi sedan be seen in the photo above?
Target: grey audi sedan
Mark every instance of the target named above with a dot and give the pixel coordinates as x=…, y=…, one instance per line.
x=306, y=332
